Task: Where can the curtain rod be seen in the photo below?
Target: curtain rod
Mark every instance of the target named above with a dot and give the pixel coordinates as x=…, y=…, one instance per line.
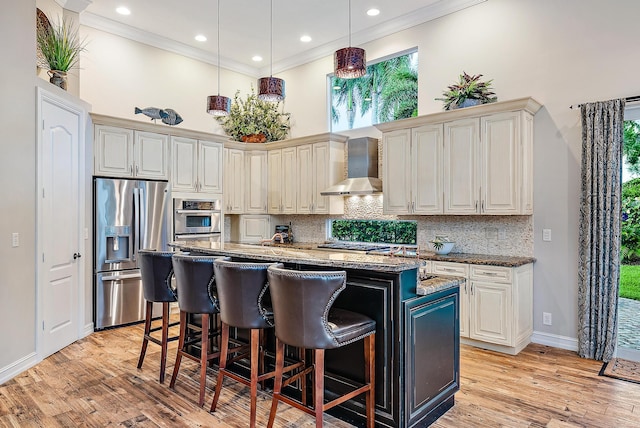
x=628, y=99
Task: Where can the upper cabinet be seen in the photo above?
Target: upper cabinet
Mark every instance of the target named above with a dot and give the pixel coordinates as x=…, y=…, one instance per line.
x=234, y=181
x=476, y=160
x=123, y=152
x=281, y=184
x=255, y=162
x=197, y=165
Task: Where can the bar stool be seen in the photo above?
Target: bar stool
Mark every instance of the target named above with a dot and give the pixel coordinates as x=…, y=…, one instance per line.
x=196, y=296
x=304, y=317
x=157, y=271
x=244, y=295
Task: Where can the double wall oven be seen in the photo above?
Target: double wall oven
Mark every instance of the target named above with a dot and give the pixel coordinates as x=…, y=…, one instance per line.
x=197, y=219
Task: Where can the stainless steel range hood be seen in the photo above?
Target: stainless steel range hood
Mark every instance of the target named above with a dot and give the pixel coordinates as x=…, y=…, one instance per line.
x=362, y=169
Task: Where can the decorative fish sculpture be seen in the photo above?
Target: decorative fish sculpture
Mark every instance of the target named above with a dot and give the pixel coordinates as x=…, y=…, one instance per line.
x=172, y=118
x=153, y=112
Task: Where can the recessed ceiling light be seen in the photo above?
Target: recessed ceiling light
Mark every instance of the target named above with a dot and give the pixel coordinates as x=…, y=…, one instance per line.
x=201, y=38
x=305, y=39
x=373, y=12
x=123, y=10
x=257, y=58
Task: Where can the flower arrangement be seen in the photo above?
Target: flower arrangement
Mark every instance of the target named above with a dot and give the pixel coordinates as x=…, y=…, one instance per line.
x=254, y=120
x=468, y=91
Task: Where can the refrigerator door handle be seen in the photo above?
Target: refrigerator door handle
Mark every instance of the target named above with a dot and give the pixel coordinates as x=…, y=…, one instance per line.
x=136, y=223
x=121, y=277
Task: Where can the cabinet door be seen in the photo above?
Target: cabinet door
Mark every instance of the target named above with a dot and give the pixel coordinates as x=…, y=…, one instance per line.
x=490, y=312
x=305, y=172
x=234, y=194
x=184, y=156
x=289, y=180
x=464, y=309
x=274, y=181
x=113, y=151
x=256, y=182
x=526, y=136
x=461, y=146
x=462, y=270
x=151, y=155
x=253, y=228
x=426, y=166
x=210, y=167
x=396, y=172
x=500, y=167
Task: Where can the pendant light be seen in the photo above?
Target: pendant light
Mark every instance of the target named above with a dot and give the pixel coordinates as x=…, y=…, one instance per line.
x=217, y=105
x=350, y=63
x=271, y=88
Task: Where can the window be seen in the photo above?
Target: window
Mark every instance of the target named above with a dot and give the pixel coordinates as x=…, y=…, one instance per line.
x=387, y=231
x=389, y=91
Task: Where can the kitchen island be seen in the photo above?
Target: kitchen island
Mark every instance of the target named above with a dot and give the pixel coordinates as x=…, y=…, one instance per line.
x=417, y=336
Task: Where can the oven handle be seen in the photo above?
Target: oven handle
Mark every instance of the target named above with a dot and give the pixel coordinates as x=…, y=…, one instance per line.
x=196, y=235
x=197, y=211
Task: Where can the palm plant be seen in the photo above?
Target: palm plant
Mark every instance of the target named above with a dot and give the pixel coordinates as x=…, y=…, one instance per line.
x=399, y=98
x=468, y=87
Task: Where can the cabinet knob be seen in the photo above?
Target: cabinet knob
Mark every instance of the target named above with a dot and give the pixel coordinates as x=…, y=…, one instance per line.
x=137, y=169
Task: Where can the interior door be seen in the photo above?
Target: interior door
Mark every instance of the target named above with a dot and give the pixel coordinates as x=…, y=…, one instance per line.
x=59, y=272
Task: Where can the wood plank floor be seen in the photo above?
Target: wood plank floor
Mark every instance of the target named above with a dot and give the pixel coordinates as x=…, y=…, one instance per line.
x=95, y=383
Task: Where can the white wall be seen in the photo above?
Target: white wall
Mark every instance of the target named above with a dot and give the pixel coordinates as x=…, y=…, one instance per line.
x=18, y=179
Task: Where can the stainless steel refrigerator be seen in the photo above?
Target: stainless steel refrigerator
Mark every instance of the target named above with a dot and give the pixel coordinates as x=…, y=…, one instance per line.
x=129, y=215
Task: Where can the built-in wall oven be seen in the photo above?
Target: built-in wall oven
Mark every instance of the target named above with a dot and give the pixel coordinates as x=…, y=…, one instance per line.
x=197, y=219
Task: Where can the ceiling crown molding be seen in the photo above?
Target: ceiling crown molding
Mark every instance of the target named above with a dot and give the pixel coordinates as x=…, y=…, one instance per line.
x=74, y=5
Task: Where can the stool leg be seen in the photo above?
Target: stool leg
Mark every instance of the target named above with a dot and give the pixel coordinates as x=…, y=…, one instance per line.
x=319, y=386
x=369, y=377
x=165, y=339
x=204, y=352
x=183, y=332
x=147, y=330
x=224, y=350
x=255, y=349
x=278, y=382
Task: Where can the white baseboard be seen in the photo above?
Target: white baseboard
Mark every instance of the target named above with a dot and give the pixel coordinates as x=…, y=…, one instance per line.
x=88, y=329
x=17, y=367
x=563, y=342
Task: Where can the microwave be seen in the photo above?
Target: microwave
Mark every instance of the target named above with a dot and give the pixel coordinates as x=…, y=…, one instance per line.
x=196, y=217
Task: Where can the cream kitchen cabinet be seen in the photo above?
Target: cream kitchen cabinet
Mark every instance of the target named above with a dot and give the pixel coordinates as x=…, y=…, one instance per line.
x=412, y=171
x=234, y=186
x=197, y=165
x=319, y=165
x=281, y=181
x=250, y=229
x=121, y=152
x=496, y=304
x=256, y=179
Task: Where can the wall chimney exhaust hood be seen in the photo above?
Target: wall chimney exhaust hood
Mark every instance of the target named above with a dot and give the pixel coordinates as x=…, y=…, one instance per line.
x=362, y=169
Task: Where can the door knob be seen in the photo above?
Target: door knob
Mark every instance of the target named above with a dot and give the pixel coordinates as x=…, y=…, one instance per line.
x=76, y=256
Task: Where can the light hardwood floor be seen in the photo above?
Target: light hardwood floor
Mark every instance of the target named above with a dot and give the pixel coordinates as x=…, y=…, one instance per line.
x=95, y=383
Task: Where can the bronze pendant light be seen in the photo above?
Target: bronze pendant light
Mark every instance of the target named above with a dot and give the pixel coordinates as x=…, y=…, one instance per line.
x=271, y=88
x=350, y=63
x=218, y=105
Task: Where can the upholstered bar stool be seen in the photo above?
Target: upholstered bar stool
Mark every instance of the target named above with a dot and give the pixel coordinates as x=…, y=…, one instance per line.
x=243, y=293
x=196, y=296
x=157, y=271
x=304, y=317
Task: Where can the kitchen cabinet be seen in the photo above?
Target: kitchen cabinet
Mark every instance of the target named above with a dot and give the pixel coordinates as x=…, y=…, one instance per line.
x=412, y=171
x=197, y=165
x=121, y=152
x=484, y=166
x=234, y=181
x=496, y=304
x=319, y=165
x=281, y=166
x=256, y=179
x=250, y=229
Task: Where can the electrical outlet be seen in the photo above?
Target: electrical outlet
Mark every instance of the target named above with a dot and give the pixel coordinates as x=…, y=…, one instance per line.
x=15, y=239
x=502, y=234
x=546, y=318
x=491, y=233
x=546, y=234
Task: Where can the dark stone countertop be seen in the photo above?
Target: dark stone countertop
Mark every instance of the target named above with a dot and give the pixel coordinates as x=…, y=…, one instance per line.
x=433, y=284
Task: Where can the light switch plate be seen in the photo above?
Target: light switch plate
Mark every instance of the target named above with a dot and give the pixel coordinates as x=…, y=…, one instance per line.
x=15, y=239
x=546, y=234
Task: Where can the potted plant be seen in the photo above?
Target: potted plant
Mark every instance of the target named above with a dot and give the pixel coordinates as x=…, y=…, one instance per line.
x=442, y=244
x=468, y=91
x=60, y=45
x=253, y=120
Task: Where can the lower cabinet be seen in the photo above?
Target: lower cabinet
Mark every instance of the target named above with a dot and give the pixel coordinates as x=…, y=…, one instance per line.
x=496, y=304
x=250, y=229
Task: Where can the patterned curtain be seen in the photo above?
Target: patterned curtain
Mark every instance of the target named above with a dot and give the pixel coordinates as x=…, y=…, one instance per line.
x=599, y=264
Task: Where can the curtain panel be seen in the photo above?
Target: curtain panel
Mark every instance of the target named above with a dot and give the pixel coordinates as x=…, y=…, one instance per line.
x=599, y=234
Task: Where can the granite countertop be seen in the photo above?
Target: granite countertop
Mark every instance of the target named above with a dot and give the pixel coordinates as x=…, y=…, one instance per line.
x=434, y=284
x=476, y=259
x=311, y=256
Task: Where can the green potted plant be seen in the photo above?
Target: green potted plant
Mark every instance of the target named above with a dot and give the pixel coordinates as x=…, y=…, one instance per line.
x=468, y=91
x=60, y=45
x=253, y=120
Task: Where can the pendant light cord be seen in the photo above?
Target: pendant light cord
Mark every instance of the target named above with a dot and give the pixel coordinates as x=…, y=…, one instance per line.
x=218, y=52
x=271, y=42
x=349, y=23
